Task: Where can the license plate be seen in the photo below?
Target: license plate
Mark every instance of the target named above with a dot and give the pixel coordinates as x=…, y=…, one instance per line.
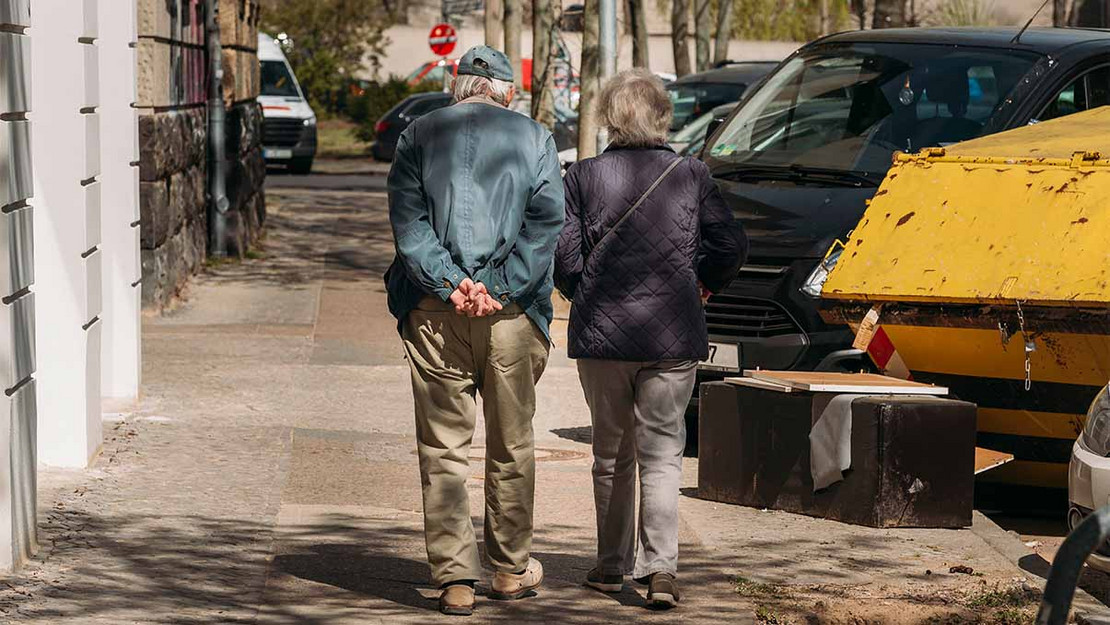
x=723, y=357
x=276, y=153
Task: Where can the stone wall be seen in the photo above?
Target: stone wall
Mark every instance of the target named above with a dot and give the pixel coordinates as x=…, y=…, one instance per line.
x=173, y=138
x=246, y=170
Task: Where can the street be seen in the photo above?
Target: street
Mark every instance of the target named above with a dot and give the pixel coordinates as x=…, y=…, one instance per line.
x=268, y=475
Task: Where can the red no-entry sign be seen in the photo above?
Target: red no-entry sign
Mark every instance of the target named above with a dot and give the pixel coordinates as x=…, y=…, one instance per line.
x=442, y=39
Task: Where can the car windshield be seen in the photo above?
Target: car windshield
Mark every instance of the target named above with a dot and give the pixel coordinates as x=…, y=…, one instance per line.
x=693, y=130
x=849, y=107
x=692, y=100
x=276, y=80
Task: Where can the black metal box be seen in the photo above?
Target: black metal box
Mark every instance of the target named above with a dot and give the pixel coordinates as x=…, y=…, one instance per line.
x=912, y=458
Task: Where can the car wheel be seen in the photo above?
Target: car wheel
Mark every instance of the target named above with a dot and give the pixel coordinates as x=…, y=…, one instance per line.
x=301, y=166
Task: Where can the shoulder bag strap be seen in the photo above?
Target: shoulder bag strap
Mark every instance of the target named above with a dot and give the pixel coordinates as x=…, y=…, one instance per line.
x=631, y=209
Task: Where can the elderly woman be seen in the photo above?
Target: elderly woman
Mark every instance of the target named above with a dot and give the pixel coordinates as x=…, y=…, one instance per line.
x=647, y=233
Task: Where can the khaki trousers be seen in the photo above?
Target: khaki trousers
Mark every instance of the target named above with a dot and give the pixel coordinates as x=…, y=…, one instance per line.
x=452, y=358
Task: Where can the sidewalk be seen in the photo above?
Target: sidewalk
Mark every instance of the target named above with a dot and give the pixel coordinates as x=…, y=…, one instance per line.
x=269, y=476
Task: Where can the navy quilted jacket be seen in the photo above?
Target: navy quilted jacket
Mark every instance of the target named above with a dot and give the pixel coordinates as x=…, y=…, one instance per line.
x=636, y=297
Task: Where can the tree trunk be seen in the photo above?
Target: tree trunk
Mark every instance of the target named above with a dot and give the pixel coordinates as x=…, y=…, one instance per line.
x=513, y=18
x=702, y=30
x=543, y=62
x=859, y=7
x=1059, y=13
x=824, y=18
x=889, y=14
x=587, y=114
x=680, y=42
x=1090, y=13
x=637, y=20
x=495, y=18
x=724, y=31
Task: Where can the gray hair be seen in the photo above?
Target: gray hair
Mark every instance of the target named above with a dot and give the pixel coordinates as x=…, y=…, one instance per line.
x=636, y=109
x=468, y=86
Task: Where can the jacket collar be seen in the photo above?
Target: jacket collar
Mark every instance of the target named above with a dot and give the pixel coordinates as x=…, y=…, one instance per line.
x=482, y=99
x=618, y=148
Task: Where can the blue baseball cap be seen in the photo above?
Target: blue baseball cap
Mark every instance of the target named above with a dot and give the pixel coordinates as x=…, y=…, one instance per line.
x=488, y=62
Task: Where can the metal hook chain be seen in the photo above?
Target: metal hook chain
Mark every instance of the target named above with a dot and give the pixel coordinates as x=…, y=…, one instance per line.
x=1030, y=347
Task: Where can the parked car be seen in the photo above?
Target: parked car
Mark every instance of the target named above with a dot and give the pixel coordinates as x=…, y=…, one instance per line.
x=696, y=94
x=288, y=122
x=389, y=128
x=801, y=156
x=566, y=120
x=432, y=71
x=1089, y=474
x=691, y=138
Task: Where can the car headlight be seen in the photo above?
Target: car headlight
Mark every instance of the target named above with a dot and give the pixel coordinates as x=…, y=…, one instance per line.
x=816, y=280
x=1096, y=434
x=311, y=121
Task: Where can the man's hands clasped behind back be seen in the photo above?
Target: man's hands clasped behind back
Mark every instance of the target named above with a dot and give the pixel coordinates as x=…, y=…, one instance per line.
x=473, y=299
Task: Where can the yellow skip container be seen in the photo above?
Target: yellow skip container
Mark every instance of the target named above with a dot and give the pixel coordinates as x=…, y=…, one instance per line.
x=990, y=263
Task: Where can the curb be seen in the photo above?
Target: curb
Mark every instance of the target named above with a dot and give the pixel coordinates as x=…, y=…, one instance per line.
x=1087, y=609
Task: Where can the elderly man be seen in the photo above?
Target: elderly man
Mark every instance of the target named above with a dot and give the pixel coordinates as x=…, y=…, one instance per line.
x=476, y=205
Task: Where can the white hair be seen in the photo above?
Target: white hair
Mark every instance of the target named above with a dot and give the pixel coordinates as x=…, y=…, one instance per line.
x=468, y=86
x=636, y=109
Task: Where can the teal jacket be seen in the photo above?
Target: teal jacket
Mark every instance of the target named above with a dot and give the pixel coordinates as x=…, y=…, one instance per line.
x=475, y=191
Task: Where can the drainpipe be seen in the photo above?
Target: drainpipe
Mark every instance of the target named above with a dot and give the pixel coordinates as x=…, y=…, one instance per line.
x=218, y=203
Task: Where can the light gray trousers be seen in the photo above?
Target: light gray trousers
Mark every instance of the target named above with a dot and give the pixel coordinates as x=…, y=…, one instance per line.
x=638, y=412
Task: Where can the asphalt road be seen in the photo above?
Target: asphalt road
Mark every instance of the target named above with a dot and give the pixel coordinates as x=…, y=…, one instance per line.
x=368, y=181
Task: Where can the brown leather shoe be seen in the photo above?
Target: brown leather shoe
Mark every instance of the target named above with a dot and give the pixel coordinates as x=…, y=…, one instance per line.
x=663, y=591
x=509, y=586
x=457, y=600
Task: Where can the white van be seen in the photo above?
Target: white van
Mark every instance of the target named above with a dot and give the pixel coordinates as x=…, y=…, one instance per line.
x=288, y=122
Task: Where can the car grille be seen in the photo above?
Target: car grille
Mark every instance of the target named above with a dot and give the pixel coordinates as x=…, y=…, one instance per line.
x=282, y=133
x=733, y=315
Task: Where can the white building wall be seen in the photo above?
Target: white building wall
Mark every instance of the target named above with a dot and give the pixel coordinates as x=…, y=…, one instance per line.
x=119, y=201
x=17, y=312
x=66, y=152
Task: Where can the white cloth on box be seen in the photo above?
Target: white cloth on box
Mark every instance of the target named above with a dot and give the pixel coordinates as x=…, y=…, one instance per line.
x=830, y=441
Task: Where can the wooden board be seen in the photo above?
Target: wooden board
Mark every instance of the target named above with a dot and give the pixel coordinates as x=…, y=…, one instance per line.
x=757, y=383
x=987, y=459
x=823, y=382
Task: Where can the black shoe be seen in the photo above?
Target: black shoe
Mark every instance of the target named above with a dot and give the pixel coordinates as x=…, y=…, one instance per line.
x=662, y=591
x=604, y=583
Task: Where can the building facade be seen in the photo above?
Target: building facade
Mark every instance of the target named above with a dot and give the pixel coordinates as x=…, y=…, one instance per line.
x=173, y=137
x=104, y=161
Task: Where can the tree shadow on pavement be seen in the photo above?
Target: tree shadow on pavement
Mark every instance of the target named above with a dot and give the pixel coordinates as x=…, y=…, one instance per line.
x=192, y=569
x=349, y=567
x=581, y=434
x=313, y=235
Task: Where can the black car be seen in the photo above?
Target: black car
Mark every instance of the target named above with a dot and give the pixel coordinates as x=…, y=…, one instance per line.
x=801, y=156
x=389, y=128
x=696, y=94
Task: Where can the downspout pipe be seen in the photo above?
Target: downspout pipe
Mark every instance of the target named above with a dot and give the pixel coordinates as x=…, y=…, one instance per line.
x=218, y=203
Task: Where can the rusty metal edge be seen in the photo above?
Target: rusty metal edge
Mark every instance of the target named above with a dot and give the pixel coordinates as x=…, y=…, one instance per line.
x=1064, y=319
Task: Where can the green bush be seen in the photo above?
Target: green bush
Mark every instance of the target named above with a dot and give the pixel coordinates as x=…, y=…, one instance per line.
x=378, y=97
